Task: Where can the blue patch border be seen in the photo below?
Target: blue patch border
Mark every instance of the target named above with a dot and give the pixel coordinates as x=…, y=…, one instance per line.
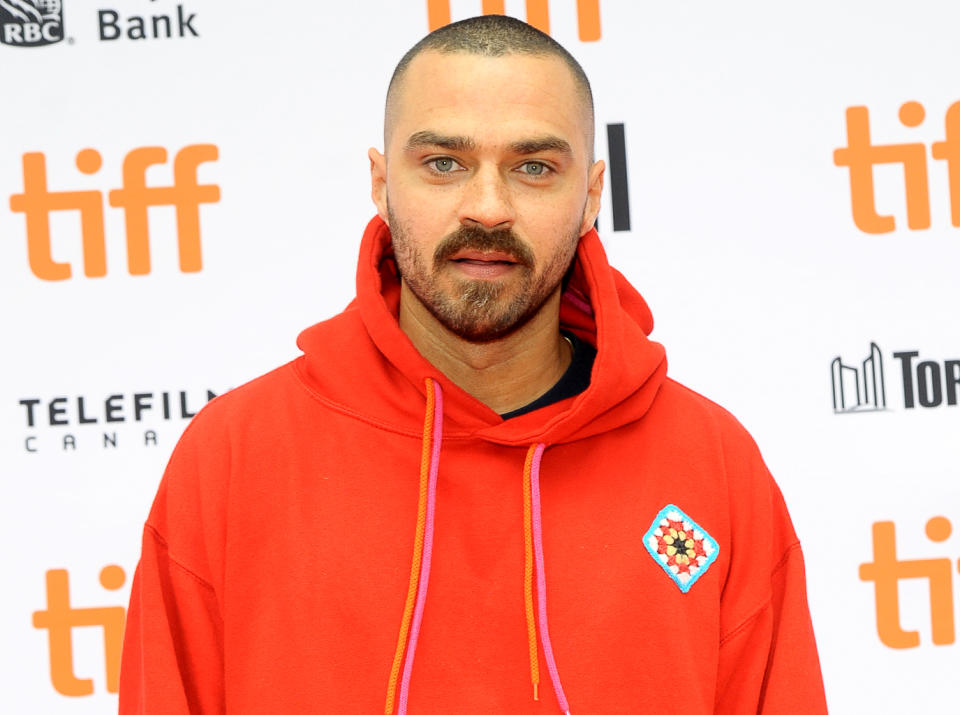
x=662, y=514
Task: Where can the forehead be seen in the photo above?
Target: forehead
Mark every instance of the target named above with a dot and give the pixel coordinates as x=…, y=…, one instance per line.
x=493, y=100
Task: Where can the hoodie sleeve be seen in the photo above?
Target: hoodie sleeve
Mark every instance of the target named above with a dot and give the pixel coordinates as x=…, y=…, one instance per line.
x=172, y=661
x=768, y=662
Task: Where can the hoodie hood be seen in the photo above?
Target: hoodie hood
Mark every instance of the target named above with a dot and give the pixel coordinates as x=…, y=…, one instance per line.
x=383, y=382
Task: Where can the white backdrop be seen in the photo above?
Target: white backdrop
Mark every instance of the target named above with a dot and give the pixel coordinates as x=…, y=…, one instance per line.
x=742, y=240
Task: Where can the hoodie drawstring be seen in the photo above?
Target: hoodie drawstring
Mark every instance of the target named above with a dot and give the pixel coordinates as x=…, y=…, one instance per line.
x=528, y=573
x=423, y=551
x=533, y=541
x=422, y=548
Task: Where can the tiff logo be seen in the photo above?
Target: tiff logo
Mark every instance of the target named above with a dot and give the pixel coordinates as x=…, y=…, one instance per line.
x=859, y=389
x=185, y=194
x=538, y=15
x=61, y=618
x=861, y=155
x=886, y=571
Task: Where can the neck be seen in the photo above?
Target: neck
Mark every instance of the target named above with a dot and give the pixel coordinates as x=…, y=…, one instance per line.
x=504, y=374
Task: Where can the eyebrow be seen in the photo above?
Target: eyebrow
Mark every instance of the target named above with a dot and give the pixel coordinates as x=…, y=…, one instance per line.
x=533, y=145
x=541, y=144
x=425, y=138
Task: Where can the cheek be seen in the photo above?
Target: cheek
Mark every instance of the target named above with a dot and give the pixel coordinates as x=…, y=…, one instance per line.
x=559, y=208
x=554, y=231
x=412, y=240
x=422, y=213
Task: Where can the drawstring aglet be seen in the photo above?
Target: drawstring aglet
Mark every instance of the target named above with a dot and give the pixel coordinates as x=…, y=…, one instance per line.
x=536, y=694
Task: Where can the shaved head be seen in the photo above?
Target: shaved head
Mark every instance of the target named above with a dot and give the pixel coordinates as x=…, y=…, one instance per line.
x=490, y=36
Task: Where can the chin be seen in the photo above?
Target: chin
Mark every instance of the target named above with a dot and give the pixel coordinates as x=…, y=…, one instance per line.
x=486, y=329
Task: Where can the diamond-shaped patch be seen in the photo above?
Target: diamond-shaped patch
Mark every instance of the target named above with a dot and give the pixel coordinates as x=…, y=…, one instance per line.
x=680, y=546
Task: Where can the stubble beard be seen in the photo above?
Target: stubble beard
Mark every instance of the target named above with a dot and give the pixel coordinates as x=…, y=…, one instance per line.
x=479, y=310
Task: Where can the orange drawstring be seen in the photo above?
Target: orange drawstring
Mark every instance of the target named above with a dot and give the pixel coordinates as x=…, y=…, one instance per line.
x=417, y=550
x=532, y=566
x=528, y=573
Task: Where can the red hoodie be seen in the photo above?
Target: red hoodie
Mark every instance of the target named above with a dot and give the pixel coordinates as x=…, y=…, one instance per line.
x=353, y=531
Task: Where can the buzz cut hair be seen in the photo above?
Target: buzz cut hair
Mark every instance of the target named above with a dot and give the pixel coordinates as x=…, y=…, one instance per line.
x=492, y=36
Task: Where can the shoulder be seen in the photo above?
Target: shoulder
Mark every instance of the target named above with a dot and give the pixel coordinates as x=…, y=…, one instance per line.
x=233, y=411
x=731, y=463
x=703, y=419
x=271, y=400
x=190, y=506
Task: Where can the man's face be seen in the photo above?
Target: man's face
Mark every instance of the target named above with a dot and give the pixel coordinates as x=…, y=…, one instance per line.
x=486, y=185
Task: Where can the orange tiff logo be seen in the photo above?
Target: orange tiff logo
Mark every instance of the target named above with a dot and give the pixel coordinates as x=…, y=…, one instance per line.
x=886, y=570
x=61, y=618
x=861, y=155
x=37, y=202
x=538, y=15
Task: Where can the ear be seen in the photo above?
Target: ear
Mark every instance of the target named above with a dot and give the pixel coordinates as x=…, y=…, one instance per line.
x=378, y=182
x=594, y=189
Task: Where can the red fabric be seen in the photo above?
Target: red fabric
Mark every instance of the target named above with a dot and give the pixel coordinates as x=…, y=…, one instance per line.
x=277, y=551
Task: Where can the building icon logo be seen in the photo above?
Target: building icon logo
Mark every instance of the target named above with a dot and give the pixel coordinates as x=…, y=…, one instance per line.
x=31, y=23
x=859, y=389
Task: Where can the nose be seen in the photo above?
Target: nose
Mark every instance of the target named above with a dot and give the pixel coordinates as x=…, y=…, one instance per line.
x=486, y=200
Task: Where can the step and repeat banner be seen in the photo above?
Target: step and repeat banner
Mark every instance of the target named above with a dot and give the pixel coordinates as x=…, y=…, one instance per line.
x=183, y=186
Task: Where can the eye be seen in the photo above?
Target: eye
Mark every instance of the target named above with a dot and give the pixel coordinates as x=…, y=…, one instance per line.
x=443, y=165
x=535, y=168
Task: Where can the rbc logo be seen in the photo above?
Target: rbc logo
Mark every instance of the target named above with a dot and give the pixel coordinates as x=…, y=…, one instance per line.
x=37, y=202
x=31, y=23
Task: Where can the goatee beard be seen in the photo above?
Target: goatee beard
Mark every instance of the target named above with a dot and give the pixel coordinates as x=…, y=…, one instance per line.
x=478, y=311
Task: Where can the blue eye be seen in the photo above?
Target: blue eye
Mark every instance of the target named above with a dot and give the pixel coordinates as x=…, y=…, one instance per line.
x=535, y=168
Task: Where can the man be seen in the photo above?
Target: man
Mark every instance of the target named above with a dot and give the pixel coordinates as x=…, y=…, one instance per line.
x=378, y=525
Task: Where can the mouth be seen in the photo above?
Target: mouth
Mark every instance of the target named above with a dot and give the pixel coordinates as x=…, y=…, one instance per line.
x=477, y=256
x=483, y=264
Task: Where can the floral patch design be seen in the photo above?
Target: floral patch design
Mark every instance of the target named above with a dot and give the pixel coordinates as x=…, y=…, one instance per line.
x=681, y=547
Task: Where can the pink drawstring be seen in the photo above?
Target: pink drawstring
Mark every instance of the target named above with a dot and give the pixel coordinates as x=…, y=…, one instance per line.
x=542, y=580
x=427, y=556
x=427, y=548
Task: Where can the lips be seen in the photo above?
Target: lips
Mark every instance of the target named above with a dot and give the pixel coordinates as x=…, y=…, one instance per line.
x=478, y=253
x=477, y=256
x=483, y=264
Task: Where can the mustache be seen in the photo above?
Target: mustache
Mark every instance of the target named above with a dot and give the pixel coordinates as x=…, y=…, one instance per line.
x=473, y=237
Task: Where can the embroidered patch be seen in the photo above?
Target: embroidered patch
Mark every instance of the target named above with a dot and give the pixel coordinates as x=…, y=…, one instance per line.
x=681, y=547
